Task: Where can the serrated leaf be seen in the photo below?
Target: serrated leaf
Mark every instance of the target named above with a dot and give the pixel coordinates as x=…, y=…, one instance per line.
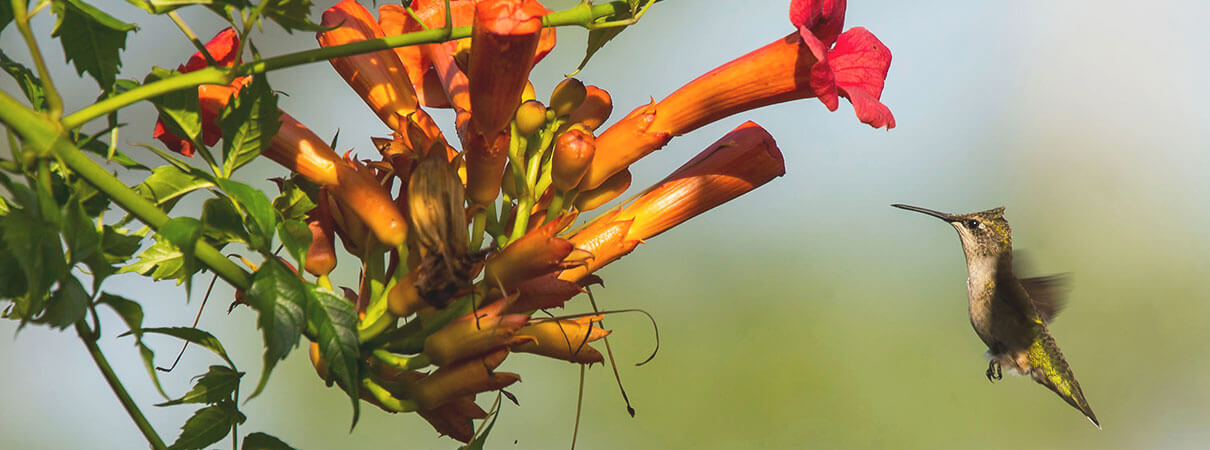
x=335, y=324
x=194, y=335
x=91, y=39
x=261, y=221
x=248, y=123
x=41, y=253
x=207, y=426
x=117, y=247
x=296, y=237
x=184, y=233
x=30, y=85
x=598, y=38
x=280, y=299
x=80, y=232
x=214, y=386
x=68, y=305
x=290, y=14
x=297, y=198
x=162, y=261
x=132, y=314
x=262, y=441
x=167, y=183
x=180, y=110
x=223, y=222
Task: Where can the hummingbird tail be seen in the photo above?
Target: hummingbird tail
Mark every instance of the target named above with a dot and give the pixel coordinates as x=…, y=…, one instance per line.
x=1050, y=369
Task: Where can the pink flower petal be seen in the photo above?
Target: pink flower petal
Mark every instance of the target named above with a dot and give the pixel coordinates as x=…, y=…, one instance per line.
x=824, y=19
x=859, y=63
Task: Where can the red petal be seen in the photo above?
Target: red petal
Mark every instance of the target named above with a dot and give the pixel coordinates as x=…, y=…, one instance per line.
x=859, y=63
x=170, y=140
x=825, y=19
x=221, y=47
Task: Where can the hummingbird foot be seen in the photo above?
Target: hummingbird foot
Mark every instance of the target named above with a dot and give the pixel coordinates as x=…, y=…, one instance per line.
x=993, y=371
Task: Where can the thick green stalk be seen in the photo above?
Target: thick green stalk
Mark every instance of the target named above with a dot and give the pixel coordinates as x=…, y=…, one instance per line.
x=43, y=135
x=120, y=391
x=582, y=15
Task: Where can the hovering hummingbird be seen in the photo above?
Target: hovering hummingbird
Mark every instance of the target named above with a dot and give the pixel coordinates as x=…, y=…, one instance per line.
x=1010, y=314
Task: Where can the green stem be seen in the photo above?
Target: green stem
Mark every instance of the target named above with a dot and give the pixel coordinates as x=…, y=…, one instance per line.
x=42, y=134
x=402, y=362
x=114, y=383
x=385, y=397
x=478, y=226
x=197, y=43
x=21, y=17
x=582, y=15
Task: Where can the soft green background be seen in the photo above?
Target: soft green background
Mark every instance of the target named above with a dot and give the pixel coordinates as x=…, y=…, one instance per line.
x=808, y=313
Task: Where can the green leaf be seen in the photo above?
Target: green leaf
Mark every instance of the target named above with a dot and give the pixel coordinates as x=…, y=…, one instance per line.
x=91, y=39
x=162, y=261
x=223, y=222
x=296, y=237
x=207, y=426
x=248, y=123
x=180, y=110
x=101, y=149
x=194, y=335
x=117, y=246
x=598, y=38
x=214, y=386
x=290, y=14
x=184, y=233
x=29, y=83
x=262, y=441
x=280, y=299
x=37, y=243
x=6, y=14
x=168, y=183
x=80, y=232
x=68, y=305
x=297, y=198
x=481, y=440
x=261, y=221
x=167, y=6
x=12, y=276
x=335, y=324
x=132, y=314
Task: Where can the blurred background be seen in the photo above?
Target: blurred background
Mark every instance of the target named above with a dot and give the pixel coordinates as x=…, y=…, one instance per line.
x=806, y=314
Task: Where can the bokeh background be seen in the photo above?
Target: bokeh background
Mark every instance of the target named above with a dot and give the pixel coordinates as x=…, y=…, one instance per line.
x=807, y=314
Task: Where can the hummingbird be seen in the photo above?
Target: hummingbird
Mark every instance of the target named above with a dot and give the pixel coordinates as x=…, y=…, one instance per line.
x=1008, y=313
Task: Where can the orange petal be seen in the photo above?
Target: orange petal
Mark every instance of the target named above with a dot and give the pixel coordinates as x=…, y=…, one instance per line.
x=775, y=73
x=378, y=77
x=505, y=37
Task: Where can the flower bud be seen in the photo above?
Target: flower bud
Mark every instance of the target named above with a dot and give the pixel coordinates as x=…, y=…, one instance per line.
x=531, y=116
x=573, y=153
x=470, y=337
x=459, y=380
x=609, y=190
x=595, y=109
x=564, y=339
x=505, y=36
x=404, y=299
x=321, y=256
x=567, y=96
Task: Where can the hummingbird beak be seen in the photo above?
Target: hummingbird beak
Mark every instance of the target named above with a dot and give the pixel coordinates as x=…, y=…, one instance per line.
x=939, y=215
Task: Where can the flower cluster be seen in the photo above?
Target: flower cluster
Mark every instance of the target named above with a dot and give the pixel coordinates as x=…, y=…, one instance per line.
x=440, y=310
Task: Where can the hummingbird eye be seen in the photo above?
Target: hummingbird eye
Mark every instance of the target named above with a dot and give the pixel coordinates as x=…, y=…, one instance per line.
x=971, y=223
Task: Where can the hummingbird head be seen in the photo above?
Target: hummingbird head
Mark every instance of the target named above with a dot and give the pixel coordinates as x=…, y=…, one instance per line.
x=983, y=233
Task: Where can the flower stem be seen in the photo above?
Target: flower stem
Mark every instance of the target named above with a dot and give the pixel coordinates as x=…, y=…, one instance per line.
x=114, y=383
x=53, y=101
x=197, y=43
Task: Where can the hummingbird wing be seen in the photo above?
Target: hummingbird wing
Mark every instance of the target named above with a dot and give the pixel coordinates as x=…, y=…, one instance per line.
x=1050, y=369
x=1048, y=293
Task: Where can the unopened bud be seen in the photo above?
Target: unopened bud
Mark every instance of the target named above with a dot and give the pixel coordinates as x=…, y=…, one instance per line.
x=573, y=154
x=609, y=190
x=595, y=110
x=567, y=96
x=531, y=116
